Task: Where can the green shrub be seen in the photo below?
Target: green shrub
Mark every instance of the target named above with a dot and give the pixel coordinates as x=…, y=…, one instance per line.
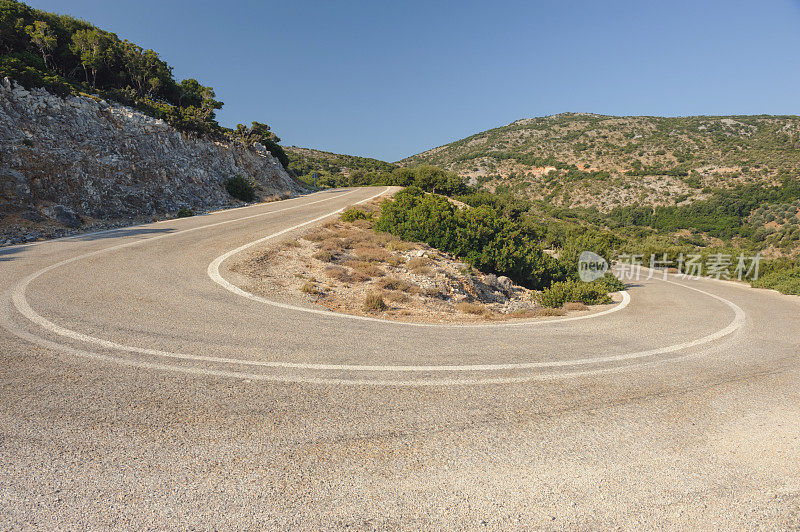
x=570, y=291
x=785, y=280
x=240, y=188
x=185, y=213
x=610, y=283
x=481, y=236
x=352, y=214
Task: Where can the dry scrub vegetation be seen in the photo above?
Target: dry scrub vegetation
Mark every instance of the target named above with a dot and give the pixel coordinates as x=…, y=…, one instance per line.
x=347, y=267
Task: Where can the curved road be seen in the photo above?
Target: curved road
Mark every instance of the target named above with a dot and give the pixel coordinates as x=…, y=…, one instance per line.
x=142, y=387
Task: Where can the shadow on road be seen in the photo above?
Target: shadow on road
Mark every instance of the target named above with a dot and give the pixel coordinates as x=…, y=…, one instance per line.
x=5, y=253
x=123, y=231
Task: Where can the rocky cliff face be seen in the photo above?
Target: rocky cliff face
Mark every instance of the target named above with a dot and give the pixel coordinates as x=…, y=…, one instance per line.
x=79, y=163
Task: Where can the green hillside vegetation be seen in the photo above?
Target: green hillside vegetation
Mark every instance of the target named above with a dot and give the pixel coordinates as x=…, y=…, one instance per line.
x=493, y=242
x=484, y=239
x=694, y=181
x=333, y=169
x=427, y=178
x=66, y=55
x=587, y=160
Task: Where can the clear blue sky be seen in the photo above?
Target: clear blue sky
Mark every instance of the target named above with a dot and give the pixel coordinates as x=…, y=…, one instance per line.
x=389, y=79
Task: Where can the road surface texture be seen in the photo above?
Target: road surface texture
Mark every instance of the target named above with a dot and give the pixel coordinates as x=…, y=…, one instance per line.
x=142, y=389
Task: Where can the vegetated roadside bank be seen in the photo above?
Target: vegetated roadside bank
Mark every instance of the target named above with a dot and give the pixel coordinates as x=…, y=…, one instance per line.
x=347, y=266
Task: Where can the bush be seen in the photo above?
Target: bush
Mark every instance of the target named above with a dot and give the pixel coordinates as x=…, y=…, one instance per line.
x=310, y=289
x=372, y=254
x=352, y=214
x=610, y=283
x=374, y=303
x=571, y=291
x=480, y=236
x=326, y=255
x=785, y=280
x=185, y=213
x=240, y=188
x=338, y=273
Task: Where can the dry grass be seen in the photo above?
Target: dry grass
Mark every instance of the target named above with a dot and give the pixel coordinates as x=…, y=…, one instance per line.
x=326, y=255
x=332, y=244
x=359, y=276
x=374, y=303
x=471, y=308
x=393, y=283
x=338, y=273
x=546, y=312
x=419, y=265
x=366, y=239
x=396, y=261
x=364, y=224
x=310, y=289
x=372, y=254
x=418, y=262
x=317, y=235
x=288, y=244
x=397, y=297
x=396, y=244
x=523, y=313
x=365, y=269
x=575, y=306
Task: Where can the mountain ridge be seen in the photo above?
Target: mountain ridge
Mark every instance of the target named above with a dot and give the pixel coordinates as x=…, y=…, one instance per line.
x=586, y=159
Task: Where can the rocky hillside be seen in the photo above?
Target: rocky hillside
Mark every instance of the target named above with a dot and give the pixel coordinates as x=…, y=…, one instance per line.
x=593, y=160
x=80, y=162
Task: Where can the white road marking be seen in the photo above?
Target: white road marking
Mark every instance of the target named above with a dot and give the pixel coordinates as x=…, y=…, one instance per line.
x=737, y=322
x=54, y=346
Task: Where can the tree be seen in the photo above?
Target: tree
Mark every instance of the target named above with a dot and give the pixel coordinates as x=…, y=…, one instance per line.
x=261, y=133
x=12, y=25
x=43, y=37
x=93, y=46
x=193, y=94
x=149, y=75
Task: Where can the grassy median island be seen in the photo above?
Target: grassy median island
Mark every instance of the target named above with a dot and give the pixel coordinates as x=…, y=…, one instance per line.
x=358, y=265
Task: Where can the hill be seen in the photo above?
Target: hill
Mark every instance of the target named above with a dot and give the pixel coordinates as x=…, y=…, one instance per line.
x=575, y=160
x=332, y=167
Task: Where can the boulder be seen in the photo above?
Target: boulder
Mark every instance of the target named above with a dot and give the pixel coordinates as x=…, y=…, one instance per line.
x=64, y=215
x=504, y=282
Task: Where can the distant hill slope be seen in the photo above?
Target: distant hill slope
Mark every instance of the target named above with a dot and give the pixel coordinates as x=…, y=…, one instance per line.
x=605, y=161
x=306, y=161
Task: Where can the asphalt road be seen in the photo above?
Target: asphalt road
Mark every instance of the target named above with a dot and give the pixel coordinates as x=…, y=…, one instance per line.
x=140, y=388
